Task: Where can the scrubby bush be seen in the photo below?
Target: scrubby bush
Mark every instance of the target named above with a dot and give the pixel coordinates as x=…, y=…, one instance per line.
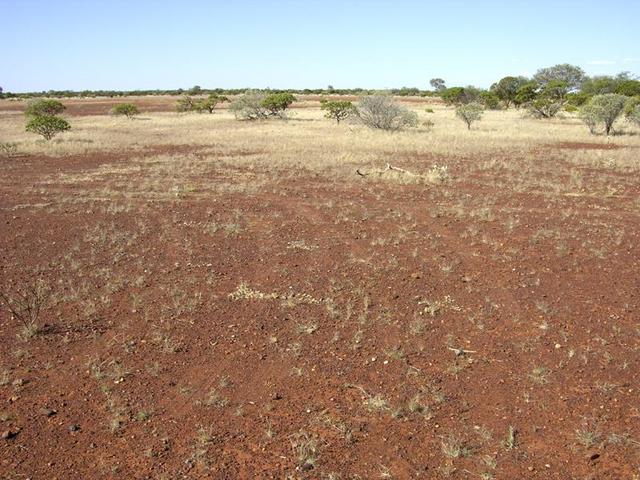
x=382, y=112
x=277, y=103
x=453, y=95
x=47, y=125
x=490, y=100
x=186, y=104
x=632, y=110
x=629, y=88
x=544, y=107
x=209, y=104
x=337, y=109
x=248, y=106
x=128, y=110
x=41, y=108
x=526, y=94
x=469, y=113
x=507, y=88
x=603, y=109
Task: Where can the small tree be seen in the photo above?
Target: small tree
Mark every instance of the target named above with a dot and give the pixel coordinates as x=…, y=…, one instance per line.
x=453, y=95
x=337, y=109
x=525, y=94
x=490, y=100
x=438, y=84
x=544, y=107
x=248, y=106
x=603, y=109
x=382, y=112
x=277, y=103
x=507, y=88
x=125, y=109
x=209, y=104
x=46, y=107
x=186, y=104
x=469, y=113
x=47, y=126
x=632, y=110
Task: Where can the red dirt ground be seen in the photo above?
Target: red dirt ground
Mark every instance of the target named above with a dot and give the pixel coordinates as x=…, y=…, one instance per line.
x=146, y=368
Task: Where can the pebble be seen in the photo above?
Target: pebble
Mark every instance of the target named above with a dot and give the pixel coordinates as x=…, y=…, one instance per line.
x=74, y=428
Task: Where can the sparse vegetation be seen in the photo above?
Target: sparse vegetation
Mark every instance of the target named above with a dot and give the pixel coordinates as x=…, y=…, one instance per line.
x=469, y=113
x=603, y=109
x=382, y=112
x=126, y=109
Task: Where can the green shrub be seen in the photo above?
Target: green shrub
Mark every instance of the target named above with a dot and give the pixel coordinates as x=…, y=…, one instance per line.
x=632, y=110
x=125, y=109
x=629, y=88
x=209, y=104
x=507, y=88
x=570, y=108
x=490, y=100
x=40, y=108
x=453, y=95
x=428, y=110
x=382, y=112
x=277, y=103
x=48, y=126
x=469, y=113
x=544, y=107
x=526, y=94
x=186, y=104
x=603, y=109
x=337, y=109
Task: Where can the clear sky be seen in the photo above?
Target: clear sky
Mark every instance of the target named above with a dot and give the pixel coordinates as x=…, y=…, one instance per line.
x=149, y=44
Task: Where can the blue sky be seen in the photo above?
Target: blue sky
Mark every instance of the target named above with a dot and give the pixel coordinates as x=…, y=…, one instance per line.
x=144, y=44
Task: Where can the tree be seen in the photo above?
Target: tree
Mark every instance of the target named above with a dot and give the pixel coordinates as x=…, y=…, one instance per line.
x=248, y=106
x=469, y=113
x=337, y=109
x=438, y=84
x=632, y=110
x=186, y=104
x=526, y=94
x=544, y=107
x=47, y=125
x=490, y=100
x=209, y=104
x=41, y=108
x=382, y=112
x=630, y=88
x=570, y=74
x=506, y=89
x=603, y=109
x=277, y=103
x=453, y=95
x=125, y=109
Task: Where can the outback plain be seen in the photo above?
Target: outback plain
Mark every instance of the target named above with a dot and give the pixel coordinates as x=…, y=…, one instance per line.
x=302, y=299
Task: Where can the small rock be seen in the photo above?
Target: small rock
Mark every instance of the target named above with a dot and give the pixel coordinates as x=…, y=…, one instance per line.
x=74, y=428
x=277, y=396
x=594, y=456
x=48, y=412
x=9, y=434
x=307, y=466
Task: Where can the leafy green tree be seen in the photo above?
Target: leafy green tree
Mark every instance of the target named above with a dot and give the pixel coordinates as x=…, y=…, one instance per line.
x=490, y=100
x=469, y=113
x=382, y=112
x=277, y=103
x=526, y=94
x=186, y=104
x=47, y=125
x=128, y=110
x=603, y=109
x=629, y=88
x=209, y=104
x=337, y=109
x=453, y=95
x=507, y=88
x=40, y=108
x=572, y=75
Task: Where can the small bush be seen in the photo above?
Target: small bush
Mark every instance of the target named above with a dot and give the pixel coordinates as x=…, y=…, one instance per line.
x=544, y=107
x=8, y=149
x=382, y=112
x=125, y=109
x=429, y=110
x=248, y=106
x=570, y=108
x=47, y=126
x=632, y=110
x=277, y=103
x=603, y=109
x=186, y=104
x=490, y=100
x=469, y=113
x=337, y=109
x=41, y=108
x=209, y=104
